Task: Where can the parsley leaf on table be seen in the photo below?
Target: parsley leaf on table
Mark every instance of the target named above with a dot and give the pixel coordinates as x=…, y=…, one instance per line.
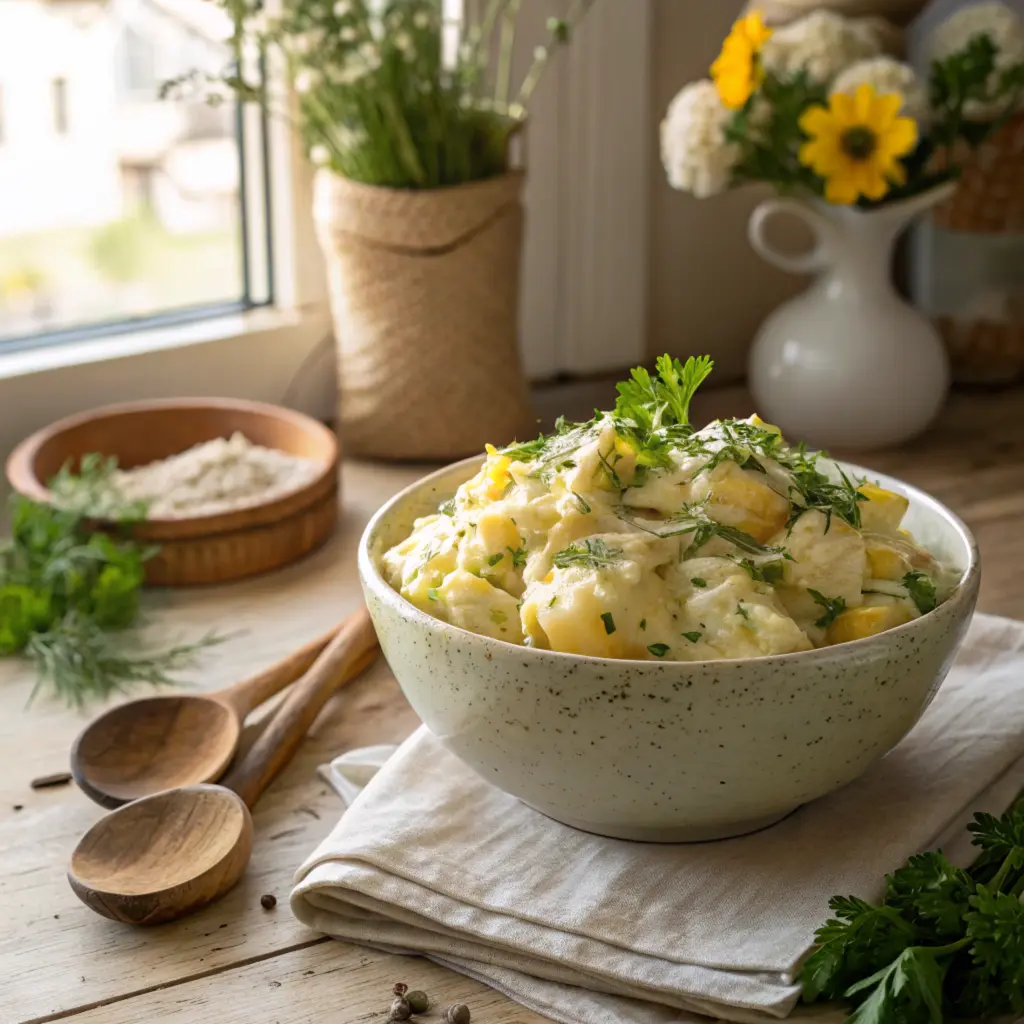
x=931, y=893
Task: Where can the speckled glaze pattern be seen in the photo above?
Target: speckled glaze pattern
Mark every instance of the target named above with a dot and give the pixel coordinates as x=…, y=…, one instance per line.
x=666, y=752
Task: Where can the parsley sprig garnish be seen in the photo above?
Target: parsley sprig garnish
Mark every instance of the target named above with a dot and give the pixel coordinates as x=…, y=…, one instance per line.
x=834, y=607
x=921, y=589
x=69, y=593
x=944, y=943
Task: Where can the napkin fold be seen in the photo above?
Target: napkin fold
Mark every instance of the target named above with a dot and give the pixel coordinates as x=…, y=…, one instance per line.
x=431, y=859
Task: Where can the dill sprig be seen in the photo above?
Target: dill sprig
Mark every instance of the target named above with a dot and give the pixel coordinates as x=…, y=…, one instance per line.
x=592, y=553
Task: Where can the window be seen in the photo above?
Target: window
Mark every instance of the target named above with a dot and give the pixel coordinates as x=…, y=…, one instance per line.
x=131, y=209
x=60, y=106
x=1, y=115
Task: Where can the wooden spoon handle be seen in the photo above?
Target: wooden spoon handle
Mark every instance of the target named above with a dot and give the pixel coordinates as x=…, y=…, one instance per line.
x=351, y=651
x=252, y=692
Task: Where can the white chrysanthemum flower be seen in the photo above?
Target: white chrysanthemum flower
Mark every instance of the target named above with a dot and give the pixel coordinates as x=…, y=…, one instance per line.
x=694, y=150
x=888, y=75
x=306, y=80
x=320, y=155
x=1002, y=25
x=823, y=43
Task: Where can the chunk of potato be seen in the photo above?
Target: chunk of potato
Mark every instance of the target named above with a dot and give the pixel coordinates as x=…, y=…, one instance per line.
x=858, y=623
x=883, y=511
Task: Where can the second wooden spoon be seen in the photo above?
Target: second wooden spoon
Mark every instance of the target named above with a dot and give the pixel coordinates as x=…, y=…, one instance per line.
x=169, y=854
x=157, y=743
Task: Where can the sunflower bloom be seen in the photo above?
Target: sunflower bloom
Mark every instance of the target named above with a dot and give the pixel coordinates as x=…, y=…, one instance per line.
x=856, y=142
x=737, y=71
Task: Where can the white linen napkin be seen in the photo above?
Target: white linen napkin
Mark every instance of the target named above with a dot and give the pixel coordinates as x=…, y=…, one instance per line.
x=431, y=859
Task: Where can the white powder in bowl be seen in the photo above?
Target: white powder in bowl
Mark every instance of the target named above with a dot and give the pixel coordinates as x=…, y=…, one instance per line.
x=217, y=476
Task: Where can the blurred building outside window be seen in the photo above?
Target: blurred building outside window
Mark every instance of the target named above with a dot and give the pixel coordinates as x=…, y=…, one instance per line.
x=117, y=205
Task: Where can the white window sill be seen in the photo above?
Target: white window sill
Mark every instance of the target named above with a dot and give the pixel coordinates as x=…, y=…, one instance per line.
x=146, y=341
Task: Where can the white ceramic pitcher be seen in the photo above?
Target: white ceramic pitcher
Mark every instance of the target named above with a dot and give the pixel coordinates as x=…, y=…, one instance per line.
x=848, y=363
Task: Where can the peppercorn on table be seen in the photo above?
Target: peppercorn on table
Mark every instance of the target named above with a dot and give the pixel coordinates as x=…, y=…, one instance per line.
x=238, y=961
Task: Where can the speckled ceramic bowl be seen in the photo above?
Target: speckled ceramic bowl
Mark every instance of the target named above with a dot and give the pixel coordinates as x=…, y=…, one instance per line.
x=676, y=751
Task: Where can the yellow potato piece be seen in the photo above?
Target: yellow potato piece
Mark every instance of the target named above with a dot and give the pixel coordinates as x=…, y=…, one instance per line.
x=857, y=623
x=770, y=427
x=497, y=532
x=883, y=511
x=885, y=562
x=749, y=505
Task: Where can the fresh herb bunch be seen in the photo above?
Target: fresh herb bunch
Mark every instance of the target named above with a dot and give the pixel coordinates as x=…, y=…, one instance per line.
x=390, y=93
x=944, y=943
x=64, y=589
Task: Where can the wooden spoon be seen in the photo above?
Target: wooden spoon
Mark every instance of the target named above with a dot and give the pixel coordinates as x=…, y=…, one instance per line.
x=156, y=743
x=167, y=855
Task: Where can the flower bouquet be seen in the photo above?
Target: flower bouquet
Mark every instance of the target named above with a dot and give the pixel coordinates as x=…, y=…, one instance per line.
x=858, y=143
x=410, y=119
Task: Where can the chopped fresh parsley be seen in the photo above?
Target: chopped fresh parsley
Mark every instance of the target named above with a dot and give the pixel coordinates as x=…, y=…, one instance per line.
x=921, y=589
x=551, y=603
x=447, y=508
x=581, y=504
x=693, y=519
x=495, y=559
x=609, y=623
x=592, y=553
x=834, y=607
x=697, y=581
x=766, y=572
x=659, y=650
x=433, y=594
x=643, y=623
x=649, y=404
x=742, y=612
x=518, y=557
x=693, y=637
x=499, y=618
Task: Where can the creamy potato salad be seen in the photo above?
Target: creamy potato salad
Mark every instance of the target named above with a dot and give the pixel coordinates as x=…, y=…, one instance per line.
x=634, y=535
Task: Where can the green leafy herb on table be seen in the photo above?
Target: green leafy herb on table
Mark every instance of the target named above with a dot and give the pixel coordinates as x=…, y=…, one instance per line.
x=66, y=590
x=945, y=943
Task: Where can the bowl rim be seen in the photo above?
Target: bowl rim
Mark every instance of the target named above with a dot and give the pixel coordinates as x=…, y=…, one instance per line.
x=374, y=582
x=21, y=474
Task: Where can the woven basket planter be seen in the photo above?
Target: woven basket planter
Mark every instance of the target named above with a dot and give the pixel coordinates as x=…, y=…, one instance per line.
x=990, y=196
x=424, y=290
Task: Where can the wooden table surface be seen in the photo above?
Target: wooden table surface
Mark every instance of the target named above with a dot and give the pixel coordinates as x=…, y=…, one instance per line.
x=236, y=963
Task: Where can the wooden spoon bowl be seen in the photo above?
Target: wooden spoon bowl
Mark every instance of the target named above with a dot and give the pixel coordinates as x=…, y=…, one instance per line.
x=163, y=856
x=153, y=744
x=156, y=743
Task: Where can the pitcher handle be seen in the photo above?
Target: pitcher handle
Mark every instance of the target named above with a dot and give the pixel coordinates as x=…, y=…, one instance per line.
x=816, y=258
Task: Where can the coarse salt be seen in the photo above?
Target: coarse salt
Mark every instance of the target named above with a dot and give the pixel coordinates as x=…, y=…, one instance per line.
x=217, y=476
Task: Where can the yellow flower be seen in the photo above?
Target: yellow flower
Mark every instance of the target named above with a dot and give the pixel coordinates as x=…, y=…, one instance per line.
x=856, y=142
x=737, y=71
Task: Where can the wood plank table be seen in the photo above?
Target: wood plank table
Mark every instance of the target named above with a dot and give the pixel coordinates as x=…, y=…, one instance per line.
x=236, y=963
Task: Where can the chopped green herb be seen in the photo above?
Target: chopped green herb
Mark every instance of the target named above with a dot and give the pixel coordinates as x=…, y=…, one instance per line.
x=609, y=623
x=921, y=589
x=767, y=572
x=742, y=612
x=643, y=623
x=592, y=553
x=498, y=617
x=694, y=520
x=834, y=607
x=518, y=557
x=659, y=650
x=495, y=559
x=693, y=637
x=432, y=594
x=581, y=504
x=551, y=603
x=698, y=582
x=447, y=508
x=609, y=470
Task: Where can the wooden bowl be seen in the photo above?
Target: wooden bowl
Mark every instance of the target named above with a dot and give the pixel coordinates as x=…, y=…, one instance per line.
x=198, y=549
